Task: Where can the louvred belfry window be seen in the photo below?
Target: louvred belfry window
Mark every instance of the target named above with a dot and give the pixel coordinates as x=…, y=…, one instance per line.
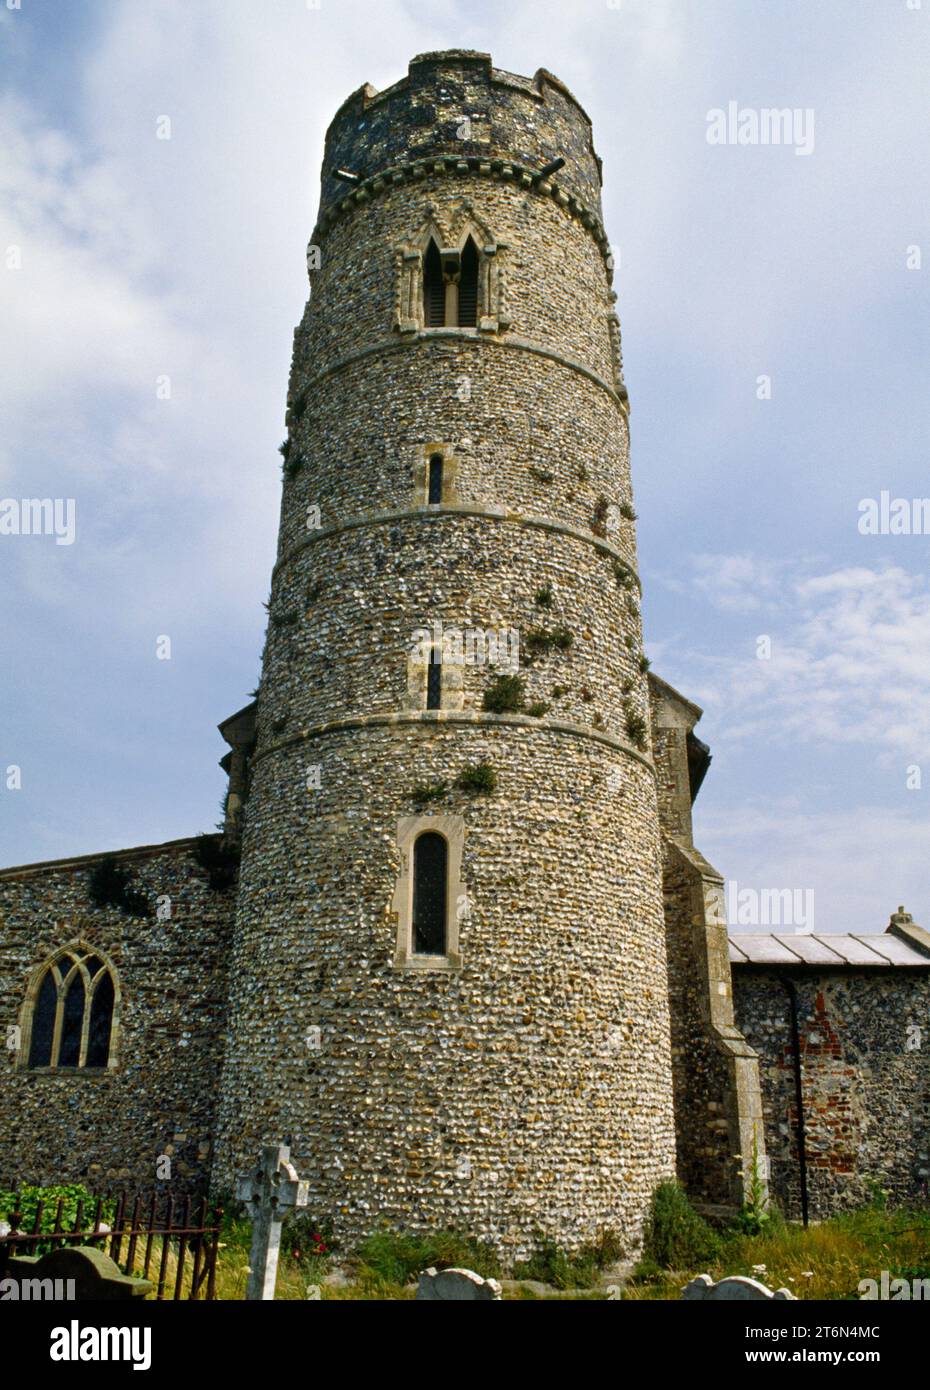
x=434, y=288
x=468, y=286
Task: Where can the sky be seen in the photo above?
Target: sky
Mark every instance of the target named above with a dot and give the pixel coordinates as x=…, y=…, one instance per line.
x=775, y=319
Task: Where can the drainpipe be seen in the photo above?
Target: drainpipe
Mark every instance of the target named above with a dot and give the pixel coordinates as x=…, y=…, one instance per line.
x=798, y=1094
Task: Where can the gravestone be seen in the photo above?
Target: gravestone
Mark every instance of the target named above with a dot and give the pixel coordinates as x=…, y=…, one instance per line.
x=736, y=1286
x=269, y=1191
x=76, y=1272
x=457, y=1285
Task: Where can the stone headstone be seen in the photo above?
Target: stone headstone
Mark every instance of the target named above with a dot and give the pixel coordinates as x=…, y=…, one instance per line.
x=736, y=1286
x=269, y=1191
x=455, y=1285
x=74, y=1271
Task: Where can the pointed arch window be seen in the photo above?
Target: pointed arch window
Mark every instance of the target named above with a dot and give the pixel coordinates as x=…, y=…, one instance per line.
x=434, y=288
x=71, y=1012
x=452, y=276
x=451, y=286
x=468, y=286
x=430, y=894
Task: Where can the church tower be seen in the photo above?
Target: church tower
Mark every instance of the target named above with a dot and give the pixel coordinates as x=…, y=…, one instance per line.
x=448, y=989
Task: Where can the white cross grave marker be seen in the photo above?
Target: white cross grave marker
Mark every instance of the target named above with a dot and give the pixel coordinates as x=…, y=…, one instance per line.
x=269, y=1190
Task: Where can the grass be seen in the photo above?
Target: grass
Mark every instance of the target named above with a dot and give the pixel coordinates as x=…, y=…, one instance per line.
x=827, y=1261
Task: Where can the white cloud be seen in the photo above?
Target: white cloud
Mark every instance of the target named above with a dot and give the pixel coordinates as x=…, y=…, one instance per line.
x=850, y=658
x=861, y=863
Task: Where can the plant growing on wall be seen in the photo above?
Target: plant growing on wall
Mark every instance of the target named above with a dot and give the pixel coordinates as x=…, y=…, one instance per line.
x=504, y=695
x=635, y=725
x=425, y=792
x=481, y=779
x=220, y=859
x=539, y=642
x=110, y=885
x=754, y=1214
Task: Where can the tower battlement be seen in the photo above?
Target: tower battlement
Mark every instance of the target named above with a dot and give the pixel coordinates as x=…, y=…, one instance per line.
x=455, y=104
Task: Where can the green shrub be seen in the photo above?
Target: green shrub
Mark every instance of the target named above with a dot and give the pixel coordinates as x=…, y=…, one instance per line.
x=504, y=695
x=69, y=1193
x=538, y=709
x=627, y=511
x=286, y=619
x=675, y=1236
x=480, y=778
x=544, y=597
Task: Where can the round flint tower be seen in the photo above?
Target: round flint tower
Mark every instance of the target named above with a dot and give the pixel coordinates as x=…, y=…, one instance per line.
x=448, y=990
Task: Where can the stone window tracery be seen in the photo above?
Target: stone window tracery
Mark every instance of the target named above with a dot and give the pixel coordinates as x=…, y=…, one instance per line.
x=70, y=1012
x=451, y=276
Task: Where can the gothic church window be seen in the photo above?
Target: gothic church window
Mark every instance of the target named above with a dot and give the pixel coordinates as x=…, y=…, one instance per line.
x=450, y=286
x=72, y=1008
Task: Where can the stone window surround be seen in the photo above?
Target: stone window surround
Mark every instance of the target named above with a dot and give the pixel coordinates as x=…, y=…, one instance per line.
x=452, y=829
x=492, y=316
x=27, y=1012
x=451, y=678
x=421, y=474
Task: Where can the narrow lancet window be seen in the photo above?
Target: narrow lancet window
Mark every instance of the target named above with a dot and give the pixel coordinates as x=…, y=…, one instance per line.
x=434, y=680
x=430, y=882
x=434, y=493
x=434, y=288
x=468, y=286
